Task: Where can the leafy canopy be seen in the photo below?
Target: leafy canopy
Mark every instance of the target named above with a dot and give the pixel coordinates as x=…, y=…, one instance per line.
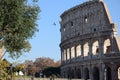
x=17, y=25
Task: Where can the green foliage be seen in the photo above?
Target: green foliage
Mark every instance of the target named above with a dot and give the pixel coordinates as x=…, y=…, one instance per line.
x=19, y=67
x=52, y=71
x=17, y=25
x=4, y=70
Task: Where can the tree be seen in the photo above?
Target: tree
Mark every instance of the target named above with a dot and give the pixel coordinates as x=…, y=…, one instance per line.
x=40, y=65
x=52, y=71
x=17, y=25
x=30, y=68
x=43, y=63
x=4, y=71
x=57, y=63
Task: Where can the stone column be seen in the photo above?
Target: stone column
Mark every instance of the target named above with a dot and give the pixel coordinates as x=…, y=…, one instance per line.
x=75, y=51
x=82, y=49
x=90, y=49
x=66, y=54
x=82, y=71
x=102, y=69
x=90, y=71
x=75, y=58
x=112, y=42
x=101, y=47
x=61, y=55
x=101, y=52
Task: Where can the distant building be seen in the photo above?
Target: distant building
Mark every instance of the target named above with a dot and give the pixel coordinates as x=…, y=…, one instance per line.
x=90, y=45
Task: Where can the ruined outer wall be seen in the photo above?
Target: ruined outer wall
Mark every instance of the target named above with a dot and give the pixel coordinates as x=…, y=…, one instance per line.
x=85, y=19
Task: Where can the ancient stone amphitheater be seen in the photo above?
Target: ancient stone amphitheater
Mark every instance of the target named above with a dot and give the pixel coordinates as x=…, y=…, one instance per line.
x=90, y=45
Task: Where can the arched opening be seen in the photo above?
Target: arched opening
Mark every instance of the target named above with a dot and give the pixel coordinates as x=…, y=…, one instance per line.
x=64, y=55
x=108, y=74
x=118, y=73
x=86, y=49
x=107, y=46
x=78, y=50
x=68, y=54
x=63, y=73
x=78, y=74
x=72, y=74
x=95, y=73
x=69, y=73
x=95, y=48
x=86, y=19
x=86, y=74
x=72, y=52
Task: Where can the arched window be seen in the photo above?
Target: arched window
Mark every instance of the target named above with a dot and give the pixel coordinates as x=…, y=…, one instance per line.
x=107, y=46
x=86, y=73
x=71, y=24
x=86, y=49
x=64, y=54
x=119, y=73
x=72, y=52
x=95, y=73
x=86, y=19
x=68, y=54
x=78, y=50
x=64, y=29
x=78, y=73
x=95, y=48
x=107, y=74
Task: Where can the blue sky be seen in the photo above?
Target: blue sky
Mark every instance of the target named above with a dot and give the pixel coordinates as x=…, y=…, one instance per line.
x=46, y=42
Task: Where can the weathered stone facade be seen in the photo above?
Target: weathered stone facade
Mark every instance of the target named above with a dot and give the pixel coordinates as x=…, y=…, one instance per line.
x=90, y=45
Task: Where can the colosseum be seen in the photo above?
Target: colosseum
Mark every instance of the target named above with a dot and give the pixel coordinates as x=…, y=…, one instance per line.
x=90, y=45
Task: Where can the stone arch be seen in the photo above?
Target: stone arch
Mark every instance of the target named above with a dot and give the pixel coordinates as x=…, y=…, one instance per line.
x=86, y=73
x=68, y=53
x=72, y=52
x=64, y=73
x=78, y=50
x=86, y=49
x=95, y=47
x=108, y=74
x=64, y=55
x=78, y=73
x=72, y=74
x=118, y=73
x=107, y=46
x=69, y=73
x=95, y=73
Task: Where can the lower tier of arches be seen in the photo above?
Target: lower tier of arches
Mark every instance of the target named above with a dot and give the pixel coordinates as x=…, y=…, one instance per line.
x=93, y=71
